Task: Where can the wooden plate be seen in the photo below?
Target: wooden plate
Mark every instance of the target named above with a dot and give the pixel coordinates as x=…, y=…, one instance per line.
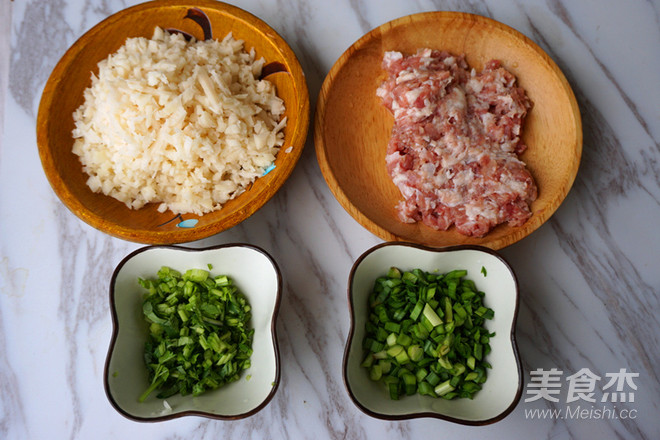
x=72, y=75
x=352, y=127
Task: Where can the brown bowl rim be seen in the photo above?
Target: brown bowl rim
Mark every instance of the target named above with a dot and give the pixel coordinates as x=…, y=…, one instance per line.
x=381, y=231
x=179, y=235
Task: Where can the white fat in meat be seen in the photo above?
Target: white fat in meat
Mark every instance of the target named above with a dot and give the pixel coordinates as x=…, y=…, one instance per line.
x=454, y=145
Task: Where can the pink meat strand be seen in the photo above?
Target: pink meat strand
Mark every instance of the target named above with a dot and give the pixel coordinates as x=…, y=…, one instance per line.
x=453, y=151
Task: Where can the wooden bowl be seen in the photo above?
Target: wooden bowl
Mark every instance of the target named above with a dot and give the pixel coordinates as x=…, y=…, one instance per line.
x=352, y=127
x=72, y=75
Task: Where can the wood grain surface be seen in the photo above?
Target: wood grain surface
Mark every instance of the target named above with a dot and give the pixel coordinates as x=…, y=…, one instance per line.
x=63, y=93
x=352, y=127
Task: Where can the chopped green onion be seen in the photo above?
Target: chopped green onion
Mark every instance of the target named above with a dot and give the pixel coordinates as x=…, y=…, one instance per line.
x=200, y=336
x=443, y=388
x=376, y=372
x=394, y=273
x=394, y=351
x=410, y=383
x=392, y=327
x=415, y=353
x=430, y=314
x=403, y=339
x=417, y=310
x=425, y=334
x=391, y=339
x=394, y=391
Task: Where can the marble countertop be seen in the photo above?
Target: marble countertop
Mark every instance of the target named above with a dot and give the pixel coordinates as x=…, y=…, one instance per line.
x=589, y=277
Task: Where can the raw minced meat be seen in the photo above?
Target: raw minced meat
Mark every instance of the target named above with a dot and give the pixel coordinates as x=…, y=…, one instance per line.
x=453, y=151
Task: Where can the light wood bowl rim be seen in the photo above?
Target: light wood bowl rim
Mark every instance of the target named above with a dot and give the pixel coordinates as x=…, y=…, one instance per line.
x=450, y=237
x=179, y=235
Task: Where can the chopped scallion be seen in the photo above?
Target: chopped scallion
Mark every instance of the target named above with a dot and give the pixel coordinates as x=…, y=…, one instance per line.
x=425, y=334
x=200, y=336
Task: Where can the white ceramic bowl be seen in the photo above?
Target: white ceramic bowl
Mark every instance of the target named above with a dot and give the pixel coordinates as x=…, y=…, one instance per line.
x=502, y=390
x=254, y=272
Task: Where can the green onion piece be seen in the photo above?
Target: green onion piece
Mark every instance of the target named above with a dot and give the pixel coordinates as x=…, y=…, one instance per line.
x=403, y=339
x=432, y=378
x=471, y=376
x=391, y=339
x=470, y=388
x=471, y=362
x=445, y=363
x=394, y=273
x=458, y=273
x=386, y=366
x=432, y=317
x=449, y=314
x=222, y=280
x=394, y=391
x=443, y=388
x=409, y=277
x=392, y=327
x=394, y=350
x=425, y=389
x=402, y=357
x=368, y=361
x=415, y=353
x=458, y=369
x=196, y=275
x=376, y=372
x=421, y=374
x=380, y=355
x=478, y=351
x=410, y=383
x=419, y=306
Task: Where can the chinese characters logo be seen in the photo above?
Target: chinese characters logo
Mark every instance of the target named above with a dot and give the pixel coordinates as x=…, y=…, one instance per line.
x=583, y=386
x=547, y=384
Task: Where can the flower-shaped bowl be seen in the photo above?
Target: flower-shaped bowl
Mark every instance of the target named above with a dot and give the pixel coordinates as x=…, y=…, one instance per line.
x=256, y=275
x=502, y=390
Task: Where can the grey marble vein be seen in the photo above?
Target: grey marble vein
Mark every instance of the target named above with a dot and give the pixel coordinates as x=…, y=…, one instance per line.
x=41, y=38
x=560, y=9
x=589, y=279
x=11, y=406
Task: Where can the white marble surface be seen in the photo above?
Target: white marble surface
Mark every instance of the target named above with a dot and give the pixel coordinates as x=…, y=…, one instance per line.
x=590, y=278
